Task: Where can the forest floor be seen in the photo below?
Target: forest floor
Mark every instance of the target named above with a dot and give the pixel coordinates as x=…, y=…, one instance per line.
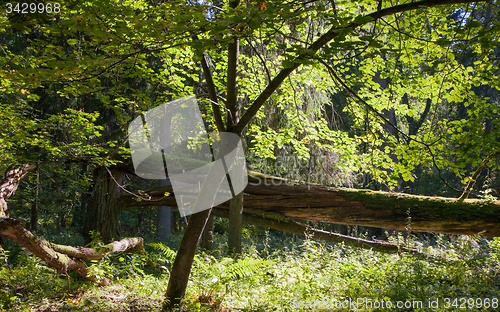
x=277, y=272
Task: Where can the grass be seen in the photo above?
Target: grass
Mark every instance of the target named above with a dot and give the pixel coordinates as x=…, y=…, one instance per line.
x=276, y=273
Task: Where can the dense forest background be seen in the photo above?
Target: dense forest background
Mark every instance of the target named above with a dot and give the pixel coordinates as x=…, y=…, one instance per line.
x=400, y=97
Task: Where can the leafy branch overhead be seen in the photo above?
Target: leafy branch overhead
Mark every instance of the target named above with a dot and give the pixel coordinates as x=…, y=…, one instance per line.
x=399, y=96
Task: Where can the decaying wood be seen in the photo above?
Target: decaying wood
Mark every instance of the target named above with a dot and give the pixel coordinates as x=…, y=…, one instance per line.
x=266, y=195
x=62, y=258
x=65, y=258
x=10, y=184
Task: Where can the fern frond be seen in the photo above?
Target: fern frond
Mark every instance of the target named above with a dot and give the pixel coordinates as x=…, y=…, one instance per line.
x=245, y=268
x=169, y=253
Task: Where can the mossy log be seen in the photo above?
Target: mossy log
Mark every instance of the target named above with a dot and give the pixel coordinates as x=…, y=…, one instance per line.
x=65, y=258
x=62, y=258
x=267, y=195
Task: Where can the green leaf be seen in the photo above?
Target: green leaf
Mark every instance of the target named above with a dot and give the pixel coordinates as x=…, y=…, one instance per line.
x=288, y=64
x=362, y=19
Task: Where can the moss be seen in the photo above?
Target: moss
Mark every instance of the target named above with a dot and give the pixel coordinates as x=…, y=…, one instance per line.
x=432, y=208
x=68, y=250
x=104, y=249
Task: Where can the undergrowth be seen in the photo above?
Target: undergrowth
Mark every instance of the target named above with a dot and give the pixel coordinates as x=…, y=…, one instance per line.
x=275, y=273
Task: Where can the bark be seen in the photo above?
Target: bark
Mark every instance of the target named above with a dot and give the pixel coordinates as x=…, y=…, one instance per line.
x=266, y=195
x=61, y=257
x=212, y=93
x=164, y=222
x=34, y=208
x=236, y=203
x=183, y=261
x=207, y=239
x=235, y=216
x=9, y=185
x=103, y=210
x=181, y=267
x=474, y=177
x=164, y=218
x=414, y=125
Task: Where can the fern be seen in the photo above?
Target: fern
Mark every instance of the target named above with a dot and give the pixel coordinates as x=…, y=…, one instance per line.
x=215, y=275
x=169, y=253
x=244, y=268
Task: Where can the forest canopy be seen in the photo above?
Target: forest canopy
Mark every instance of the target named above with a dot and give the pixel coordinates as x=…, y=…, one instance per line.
x=378, y=93
x=401, y=97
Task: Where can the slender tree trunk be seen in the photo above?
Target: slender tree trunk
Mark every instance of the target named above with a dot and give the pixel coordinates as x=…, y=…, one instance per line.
x=207, y=239
x=140, y=221
x=236, y=203
x=235, y=224
x=182, y=264
x=164, y=218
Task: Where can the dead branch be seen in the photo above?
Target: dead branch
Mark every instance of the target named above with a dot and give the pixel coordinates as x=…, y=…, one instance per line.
x=65, y=258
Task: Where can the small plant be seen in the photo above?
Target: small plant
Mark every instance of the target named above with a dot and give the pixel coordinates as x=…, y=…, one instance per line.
x=487, y=196
x=4, y=255
x=217, y=279
x=96, y=239
x=165, y=260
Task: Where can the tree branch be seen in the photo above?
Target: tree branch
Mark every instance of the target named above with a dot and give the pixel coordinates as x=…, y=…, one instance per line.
x=232, y=82
x=212, y=94
x=322, y=41
x=476, y=174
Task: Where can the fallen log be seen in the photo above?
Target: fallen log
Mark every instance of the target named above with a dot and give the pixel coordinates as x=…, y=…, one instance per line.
x=62, y=258
x=298, y=228
x=265, y=195
x=65, y=258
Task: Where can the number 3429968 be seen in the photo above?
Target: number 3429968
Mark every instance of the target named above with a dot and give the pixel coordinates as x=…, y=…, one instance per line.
x=33, y=8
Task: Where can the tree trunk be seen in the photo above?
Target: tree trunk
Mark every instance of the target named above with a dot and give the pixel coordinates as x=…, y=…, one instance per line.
x=9, y=186
x=140, y=221
x=183, y=261
x=81, y=210
x=236, y=203
x=34, y=208
x=266, y=195
x=103, y=211
x=164, y=218
x=294, y=227
x=235, y=224
x=61, y=257
x=64, y=258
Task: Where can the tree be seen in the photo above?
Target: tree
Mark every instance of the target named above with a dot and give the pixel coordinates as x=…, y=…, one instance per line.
x=302, y=54
x=341, y=44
